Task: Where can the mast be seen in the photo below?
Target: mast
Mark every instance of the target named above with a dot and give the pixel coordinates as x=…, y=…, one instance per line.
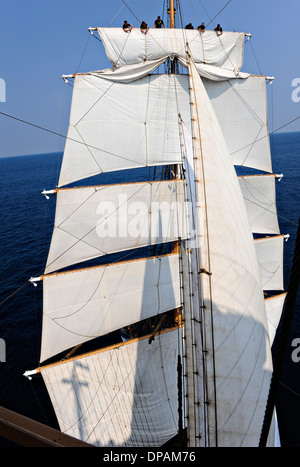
x=174, y=175
x=172, y=12
x=189, y=355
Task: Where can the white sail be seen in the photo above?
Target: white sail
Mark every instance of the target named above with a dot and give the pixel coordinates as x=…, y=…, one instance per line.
x=238, y=363
x=222, y=52
x=120, y=125
x=274, y=307
x=241, y=109
x=94, y=221
x=116, y=124
x=269, y=252
x=260, y=199
x=128, y=73
x=123, y=118
x=119, y=397
x=84, y=304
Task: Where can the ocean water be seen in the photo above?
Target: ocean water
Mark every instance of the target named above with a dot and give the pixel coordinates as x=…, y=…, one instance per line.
x=25, y=232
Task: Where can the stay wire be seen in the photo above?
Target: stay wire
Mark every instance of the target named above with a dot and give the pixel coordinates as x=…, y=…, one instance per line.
x=131, y=10
x=251, y=45
x=12, y=294
x=83, y=53
x=268, y=134
x=56, y=133
x=116, y=15
x=223, y=15
x=219, y=12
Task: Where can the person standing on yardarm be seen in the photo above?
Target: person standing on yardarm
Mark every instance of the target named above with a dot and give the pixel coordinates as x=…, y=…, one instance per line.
x=158, y=23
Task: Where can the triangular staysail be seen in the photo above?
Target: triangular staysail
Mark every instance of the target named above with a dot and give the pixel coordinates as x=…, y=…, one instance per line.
x=233, y=313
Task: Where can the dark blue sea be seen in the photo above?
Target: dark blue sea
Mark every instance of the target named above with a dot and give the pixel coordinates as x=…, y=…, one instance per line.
x=25, y=232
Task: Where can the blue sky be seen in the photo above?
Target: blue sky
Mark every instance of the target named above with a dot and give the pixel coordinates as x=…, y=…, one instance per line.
x=43, y=39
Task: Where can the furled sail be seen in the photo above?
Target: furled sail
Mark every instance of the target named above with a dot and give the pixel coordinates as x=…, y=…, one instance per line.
x=84, y=304
x=236, y=373
x=260, y=199
x=95, y=221
x=115, y=125
x=122, y=396
x=269, y=252
x=215, y=56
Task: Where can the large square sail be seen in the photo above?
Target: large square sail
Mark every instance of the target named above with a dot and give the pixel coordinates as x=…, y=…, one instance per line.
x=116, y=126
x=81, y=305
x=124, y=396
x=95, y=221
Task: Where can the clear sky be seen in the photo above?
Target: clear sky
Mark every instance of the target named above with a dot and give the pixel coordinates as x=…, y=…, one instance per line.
x=43, y=39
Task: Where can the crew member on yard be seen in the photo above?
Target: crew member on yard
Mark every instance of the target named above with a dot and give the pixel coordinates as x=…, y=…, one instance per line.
x=158, y=23
x=127, y=27
x=201, y=28
x=218, y=30
x=144, y=27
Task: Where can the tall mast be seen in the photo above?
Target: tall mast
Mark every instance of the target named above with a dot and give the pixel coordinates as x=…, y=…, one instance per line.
x=193, y=439
x=171, y=12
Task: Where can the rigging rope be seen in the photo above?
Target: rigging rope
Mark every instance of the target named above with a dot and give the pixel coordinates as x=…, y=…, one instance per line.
x=83, y=53
x=219, y=12
x=131, y=10
x=255, y=58
x=117, y=13
x=64, y=136
x=223, y=15
x=268, y=134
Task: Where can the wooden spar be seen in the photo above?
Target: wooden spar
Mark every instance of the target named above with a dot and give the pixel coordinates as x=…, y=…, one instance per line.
x=30, y=433
x=104, y=349
x=261, y=175
x=268, y=238
x=110, y=185
x=275, y=296
x=40, y=278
